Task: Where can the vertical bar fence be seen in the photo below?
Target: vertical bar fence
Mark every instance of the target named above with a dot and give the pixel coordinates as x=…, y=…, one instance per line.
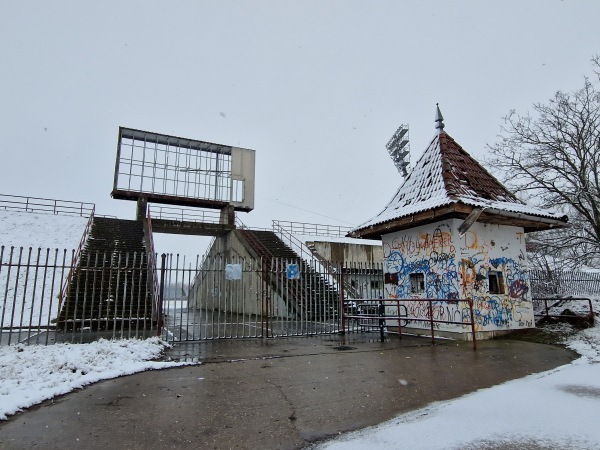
x=51, y=295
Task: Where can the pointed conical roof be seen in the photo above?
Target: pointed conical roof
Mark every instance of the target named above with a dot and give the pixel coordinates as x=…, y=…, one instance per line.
x=447, y=182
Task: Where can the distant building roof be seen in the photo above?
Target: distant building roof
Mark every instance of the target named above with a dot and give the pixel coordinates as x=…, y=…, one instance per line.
x=447, y=182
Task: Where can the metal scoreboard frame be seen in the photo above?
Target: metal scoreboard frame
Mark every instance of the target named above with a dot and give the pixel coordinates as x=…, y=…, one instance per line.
x=185, y=172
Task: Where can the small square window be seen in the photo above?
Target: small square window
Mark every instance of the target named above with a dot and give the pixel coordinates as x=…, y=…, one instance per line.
x=375, y=284
x=417, y=283
x=496, y=282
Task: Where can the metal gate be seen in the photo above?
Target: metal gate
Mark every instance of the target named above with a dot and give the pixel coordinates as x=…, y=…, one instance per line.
x=178, y=299
x=246, y=298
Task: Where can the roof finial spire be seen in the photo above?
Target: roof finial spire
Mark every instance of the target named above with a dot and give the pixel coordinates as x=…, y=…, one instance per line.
x=439, y=119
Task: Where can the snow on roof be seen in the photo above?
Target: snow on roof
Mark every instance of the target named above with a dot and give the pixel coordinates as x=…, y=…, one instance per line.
x=446, y=174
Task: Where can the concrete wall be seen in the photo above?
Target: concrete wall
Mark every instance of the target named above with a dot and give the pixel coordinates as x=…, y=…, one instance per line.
x=364, y=264
x=212, y=290
x=342, y=251
x=456, y=267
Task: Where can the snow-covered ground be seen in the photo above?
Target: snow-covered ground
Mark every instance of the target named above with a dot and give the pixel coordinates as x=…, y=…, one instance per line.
x=552, y=410
x=32, y=374
x=39, y=240
x=26, y=229
x=557, y=409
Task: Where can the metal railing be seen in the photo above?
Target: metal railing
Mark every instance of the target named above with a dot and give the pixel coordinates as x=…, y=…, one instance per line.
x=325, y=269
x=311, y=229
x=153, y=272
x=236, y=297
x=375, y=313
x=555, y=307
x=30, y=284
x=45, y=205
x=75, y=260
x=184, y=214
x=108, y=296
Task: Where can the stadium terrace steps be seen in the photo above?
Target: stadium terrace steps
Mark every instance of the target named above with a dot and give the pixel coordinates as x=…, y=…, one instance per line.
x=111, y=286
x=311, y=296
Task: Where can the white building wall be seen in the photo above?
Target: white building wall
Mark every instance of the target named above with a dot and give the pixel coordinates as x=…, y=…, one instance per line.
x=456, y=267
x=496, y=248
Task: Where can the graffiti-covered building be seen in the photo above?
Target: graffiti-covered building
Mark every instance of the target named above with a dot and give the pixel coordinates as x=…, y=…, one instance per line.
x=453, y=231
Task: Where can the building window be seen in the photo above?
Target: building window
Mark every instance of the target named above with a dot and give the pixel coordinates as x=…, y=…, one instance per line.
x=417, y=283
x=496, y=281
x=353, y=283
x=375, y=284
x=237, y=191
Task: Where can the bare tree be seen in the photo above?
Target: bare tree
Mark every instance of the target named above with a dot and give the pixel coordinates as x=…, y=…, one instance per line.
x=551, y=158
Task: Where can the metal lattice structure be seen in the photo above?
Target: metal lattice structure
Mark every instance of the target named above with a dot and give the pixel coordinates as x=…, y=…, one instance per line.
x=399, y=149
x=180, y=171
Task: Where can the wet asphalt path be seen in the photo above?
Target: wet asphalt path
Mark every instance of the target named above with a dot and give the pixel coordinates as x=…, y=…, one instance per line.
x=272, y=393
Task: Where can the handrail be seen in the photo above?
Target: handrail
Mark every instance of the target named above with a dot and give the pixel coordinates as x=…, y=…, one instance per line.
x=45, y=205
x=304, y=252
x=65, y=288
x=296, y=244
x=312, y=228
x=396, y=302
x=153, y=265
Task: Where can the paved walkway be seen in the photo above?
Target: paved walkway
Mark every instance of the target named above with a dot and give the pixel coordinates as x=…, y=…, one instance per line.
x=272, y=394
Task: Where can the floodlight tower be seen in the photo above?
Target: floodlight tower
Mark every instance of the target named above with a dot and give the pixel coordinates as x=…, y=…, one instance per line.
x=399, y=149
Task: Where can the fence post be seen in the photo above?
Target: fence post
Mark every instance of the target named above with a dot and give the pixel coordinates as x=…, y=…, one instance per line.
x=381, y=314
x=163, y=258
x=431, y=319
x=265, y=298
x=343, y=306
x=399, y=319
x=470, y=300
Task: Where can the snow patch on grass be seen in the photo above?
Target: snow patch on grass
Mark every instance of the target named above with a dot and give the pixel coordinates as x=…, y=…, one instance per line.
x=32, y=374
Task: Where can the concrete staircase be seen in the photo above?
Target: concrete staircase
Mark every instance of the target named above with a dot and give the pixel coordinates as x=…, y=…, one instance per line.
x=312, y=297
x=111, y=286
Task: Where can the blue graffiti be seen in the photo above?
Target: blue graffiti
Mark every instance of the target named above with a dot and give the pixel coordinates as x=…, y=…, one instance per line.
x=441, y=286
x=395, y=262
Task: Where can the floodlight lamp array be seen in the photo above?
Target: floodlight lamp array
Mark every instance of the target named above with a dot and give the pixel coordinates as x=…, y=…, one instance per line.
x=398, y=148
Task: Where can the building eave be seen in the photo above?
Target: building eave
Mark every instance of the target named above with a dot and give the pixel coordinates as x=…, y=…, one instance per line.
x=459, y=210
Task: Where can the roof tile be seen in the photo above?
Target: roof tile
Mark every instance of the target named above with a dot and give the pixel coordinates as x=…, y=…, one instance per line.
x=447, y=174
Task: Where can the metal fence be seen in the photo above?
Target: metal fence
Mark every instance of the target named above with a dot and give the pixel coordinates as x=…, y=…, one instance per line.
x=237, y=298
x=192, y=300
x=105, y=298
x=564, y=282
x=226, y=298
x=30, y=285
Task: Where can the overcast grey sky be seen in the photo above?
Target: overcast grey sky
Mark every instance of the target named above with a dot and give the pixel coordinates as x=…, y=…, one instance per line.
x=315, y=87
